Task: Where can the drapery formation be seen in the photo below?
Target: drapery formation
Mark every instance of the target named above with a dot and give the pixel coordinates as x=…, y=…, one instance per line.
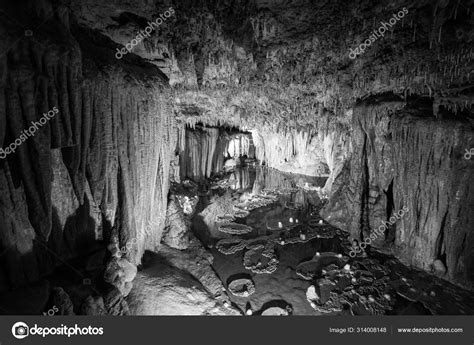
x=204, y=150
x=403, y=158
x=98, y=168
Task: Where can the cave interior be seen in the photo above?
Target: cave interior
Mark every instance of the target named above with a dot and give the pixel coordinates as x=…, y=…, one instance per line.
x=237, y=157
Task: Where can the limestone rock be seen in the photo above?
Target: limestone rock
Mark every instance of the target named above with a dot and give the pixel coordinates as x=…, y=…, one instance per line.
x=198, y=262
x=311, y=295
x=230, y=164
x=115, y=304
x=388, y=138
x=93, y=306
x=293, y=151
x=120, y=273
x=243, y=287
x=62, y=301
x=177, y=226
x=439, y=268
x=63, y=182
x=151, y=293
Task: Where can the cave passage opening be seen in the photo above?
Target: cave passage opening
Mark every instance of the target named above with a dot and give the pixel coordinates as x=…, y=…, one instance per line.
x=207, y=151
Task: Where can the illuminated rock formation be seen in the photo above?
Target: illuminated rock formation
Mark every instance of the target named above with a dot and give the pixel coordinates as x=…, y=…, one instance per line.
x=204, y=150
x=218, y=84
x=405, y=155
x=103, y=160
x=176, y=232
x=151, y=294
x=295, y=152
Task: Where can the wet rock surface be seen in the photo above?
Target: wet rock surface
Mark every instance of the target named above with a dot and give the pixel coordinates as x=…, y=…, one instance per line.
x=317, y=276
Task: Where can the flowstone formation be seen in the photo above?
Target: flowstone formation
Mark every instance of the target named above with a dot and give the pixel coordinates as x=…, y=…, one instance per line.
x=401, y=148
x=102, y=162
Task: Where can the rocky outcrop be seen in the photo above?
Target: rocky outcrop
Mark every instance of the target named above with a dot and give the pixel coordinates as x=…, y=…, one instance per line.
x=93, y=306
x=120, y=273
x=198, y=262
x=405, y=158
x=62, y=302
x=115, y=304
x=152, y=295
x=176, y=233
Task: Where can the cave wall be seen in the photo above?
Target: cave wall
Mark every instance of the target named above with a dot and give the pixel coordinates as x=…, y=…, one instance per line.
x=292, y=151
x=405, y=157
x=99, y=168
x=303, y=152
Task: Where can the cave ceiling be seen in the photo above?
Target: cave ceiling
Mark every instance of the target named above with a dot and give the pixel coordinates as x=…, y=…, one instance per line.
x=253, y=62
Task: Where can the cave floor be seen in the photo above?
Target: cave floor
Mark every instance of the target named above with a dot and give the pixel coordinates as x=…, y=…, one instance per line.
x=301, y=266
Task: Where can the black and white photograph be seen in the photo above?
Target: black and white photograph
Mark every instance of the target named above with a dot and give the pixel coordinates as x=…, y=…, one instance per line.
x=238, y=158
